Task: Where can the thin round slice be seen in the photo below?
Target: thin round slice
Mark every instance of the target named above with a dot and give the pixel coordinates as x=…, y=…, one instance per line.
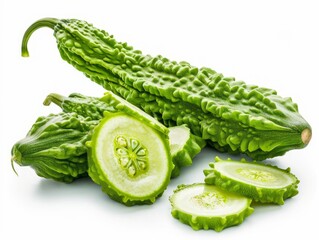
x=262, y=183
x=204, y=206
x=129, y=159
x=184, y=147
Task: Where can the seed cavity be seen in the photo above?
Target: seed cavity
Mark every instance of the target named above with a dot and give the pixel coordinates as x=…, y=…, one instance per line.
x=131, y=155
x=210, y=199
x=257, y=175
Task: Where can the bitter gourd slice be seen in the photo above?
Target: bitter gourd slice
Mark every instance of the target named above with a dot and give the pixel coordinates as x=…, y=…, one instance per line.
x=263, y=183
x=184, y=147
x=55, y=146
x=130, y=159
x=206, y=207
x=244, y=118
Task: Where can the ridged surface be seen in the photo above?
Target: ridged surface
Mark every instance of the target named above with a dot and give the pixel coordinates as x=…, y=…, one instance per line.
x=86, y=106
x=272, y=193
x=55, y=146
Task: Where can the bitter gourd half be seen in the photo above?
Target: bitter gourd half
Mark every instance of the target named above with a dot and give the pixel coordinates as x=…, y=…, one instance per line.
x=260, y=182
x=232, y=115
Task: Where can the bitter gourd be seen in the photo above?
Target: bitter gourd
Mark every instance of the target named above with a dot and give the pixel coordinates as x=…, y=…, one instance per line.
x=260, y=182
x=184, y=146
x=130, y=158
x=206, y=207
x=232, y=115
x=55, y=146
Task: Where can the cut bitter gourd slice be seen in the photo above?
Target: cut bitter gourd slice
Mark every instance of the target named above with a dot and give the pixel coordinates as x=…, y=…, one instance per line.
x=204, y=206
x=263, y=183
x=184, y=147
x=129, y=159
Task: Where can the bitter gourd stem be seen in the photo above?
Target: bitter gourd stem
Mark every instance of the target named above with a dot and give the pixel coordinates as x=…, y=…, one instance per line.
x=44, y=22
x=55, y=98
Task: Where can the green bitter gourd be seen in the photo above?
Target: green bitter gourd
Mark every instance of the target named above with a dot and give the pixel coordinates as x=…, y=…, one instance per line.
x=232, y=115
x=206, y=207
x=55, y=146
x=260, y=182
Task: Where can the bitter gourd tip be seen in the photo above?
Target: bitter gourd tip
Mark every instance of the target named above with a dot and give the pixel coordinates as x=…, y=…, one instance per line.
x=12, y=165
x=44, y=22
x=306, y=136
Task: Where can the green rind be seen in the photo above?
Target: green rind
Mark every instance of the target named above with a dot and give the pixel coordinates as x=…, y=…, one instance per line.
x=95, y=171
x=184, y=157
x=216, y=223
x=257, y=193
x=55, y=146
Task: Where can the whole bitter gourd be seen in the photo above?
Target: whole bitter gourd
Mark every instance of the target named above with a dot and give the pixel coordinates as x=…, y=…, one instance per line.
x=55, y=146
x=232, y=115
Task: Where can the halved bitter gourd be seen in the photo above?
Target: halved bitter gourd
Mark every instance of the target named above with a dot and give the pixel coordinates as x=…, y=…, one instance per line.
x=130, y=158
x=184, y=147
x=204, y=206
x=260, y=182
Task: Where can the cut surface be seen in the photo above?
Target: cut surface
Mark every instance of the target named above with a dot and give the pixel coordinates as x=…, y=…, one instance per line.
x=184, y=147
x=131, y=158
x=262, y=183
x=254, y=174
x=205, y=206
x=306, y=135
x=178, y=137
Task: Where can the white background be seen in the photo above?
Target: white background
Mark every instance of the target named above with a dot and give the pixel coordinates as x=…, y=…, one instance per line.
x=273, y=44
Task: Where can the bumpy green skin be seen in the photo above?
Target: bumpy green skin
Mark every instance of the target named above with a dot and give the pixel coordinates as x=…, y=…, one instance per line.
x=258, y=194
x=204, y=222
x=233, y=116
x=184, y=157
x=86, y=106
x=55, y=146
